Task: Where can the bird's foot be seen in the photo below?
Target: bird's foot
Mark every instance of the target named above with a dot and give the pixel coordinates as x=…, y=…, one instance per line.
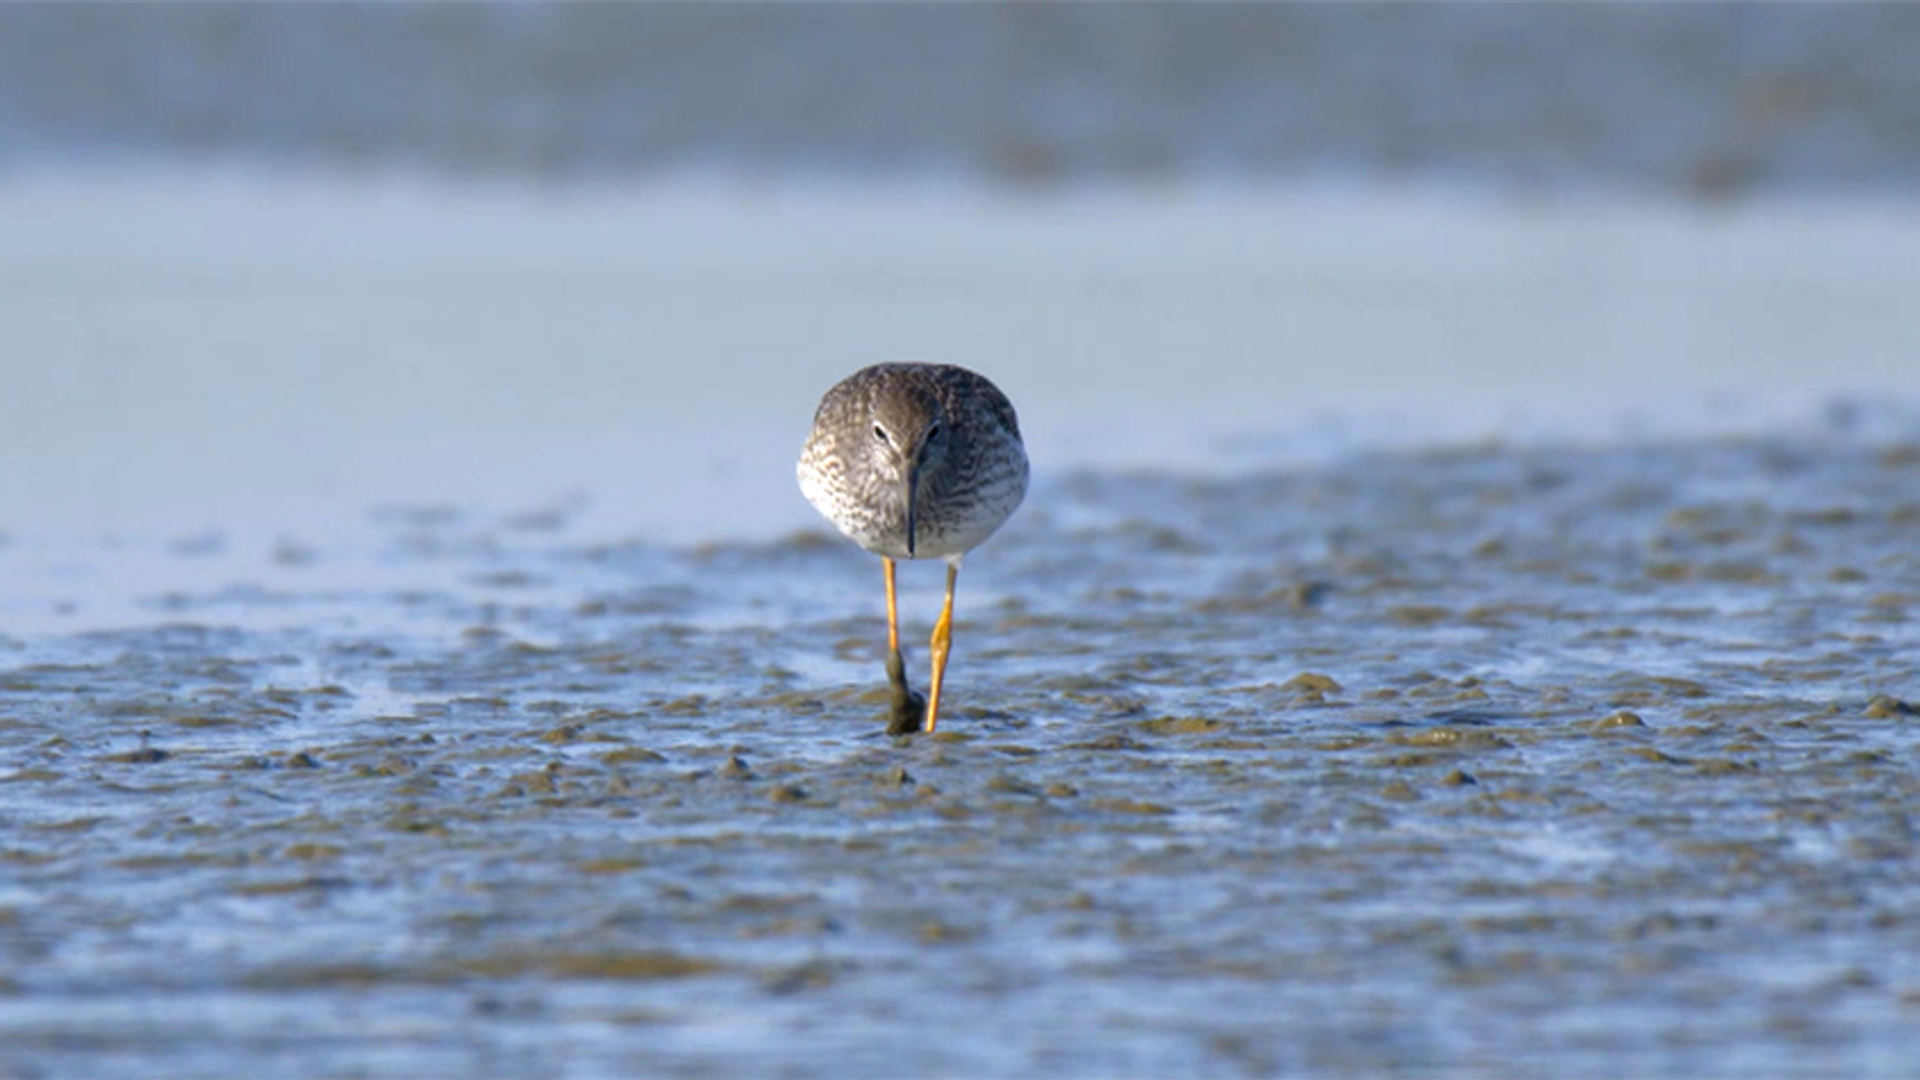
x=909, y=711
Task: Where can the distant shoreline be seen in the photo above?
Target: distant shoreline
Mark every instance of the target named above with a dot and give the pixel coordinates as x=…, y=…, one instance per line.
x=1700, y=101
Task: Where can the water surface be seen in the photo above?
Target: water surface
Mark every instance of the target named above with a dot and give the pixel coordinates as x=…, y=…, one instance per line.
x=1517, y=758
x=1443, y=636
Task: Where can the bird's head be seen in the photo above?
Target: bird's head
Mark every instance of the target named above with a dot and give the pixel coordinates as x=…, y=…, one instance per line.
x=907, y=438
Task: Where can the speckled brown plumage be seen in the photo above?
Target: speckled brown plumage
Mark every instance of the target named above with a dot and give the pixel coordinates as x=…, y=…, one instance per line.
x=871, y=431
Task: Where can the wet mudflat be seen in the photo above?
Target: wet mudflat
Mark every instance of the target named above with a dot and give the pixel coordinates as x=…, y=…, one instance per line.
x=1525, y=761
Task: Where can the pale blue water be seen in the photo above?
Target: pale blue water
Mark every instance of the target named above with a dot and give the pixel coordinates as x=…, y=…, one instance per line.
x=415, y=656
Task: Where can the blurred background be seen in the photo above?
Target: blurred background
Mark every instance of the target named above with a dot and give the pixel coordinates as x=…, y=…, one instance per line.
x=267, y=261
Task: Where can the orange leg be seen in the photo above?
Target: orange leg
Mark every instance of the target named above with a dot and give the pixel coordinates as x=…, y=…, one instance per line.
x=893, y=610
x=941, y=645
x=908, y=713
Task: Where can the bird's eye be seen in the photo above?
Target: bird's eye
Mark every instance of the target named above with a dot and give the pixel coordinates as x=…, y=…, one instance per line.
x=881, y=434
x=933, y=432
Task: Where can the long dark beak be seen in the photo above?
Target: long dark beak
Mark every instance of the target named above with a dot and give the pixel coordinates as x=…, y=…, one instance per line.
x=913, y=503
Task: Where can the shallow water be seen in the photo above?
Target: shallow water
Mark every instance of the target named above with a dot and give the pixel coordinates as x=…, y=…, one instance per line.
x=1515, y=759
x=215, y=351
